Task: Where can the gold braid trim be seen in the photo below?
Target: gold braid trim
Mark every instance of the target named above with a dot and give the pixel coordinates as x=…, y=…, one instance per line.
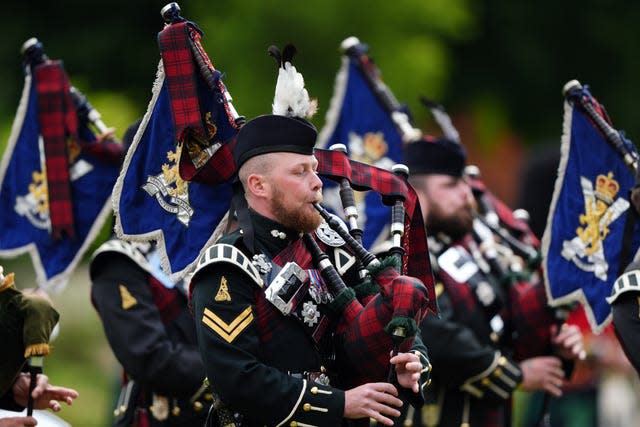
x=37, y=350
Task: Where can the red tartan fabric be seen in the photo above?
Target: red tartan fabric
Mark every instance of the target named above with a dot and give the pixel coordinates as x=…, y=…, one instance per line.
x=108, y=150
x=58, y=121
x=219, y=168
x=531, y=320
x=176, y=44
x=179, y=68
x=165, y=299
x=336, y=165
x=366, y=344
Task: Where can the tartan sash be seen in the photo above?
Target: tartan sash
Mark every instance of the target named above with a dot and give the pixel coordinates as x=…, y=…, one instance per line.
x=58, y=121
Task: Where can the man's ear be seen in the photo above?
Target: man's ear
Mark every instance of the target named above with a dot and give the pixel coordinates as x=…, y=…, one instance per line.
x=258, y=186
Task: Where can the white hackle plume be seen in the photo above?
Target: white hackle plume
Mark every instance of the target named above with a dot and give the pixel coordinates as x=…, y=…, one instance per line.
x=291, y=98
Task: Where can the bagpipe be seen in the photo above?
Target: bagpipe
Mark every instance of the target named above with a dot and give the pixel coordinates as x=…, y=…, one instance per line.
x=387, y=291
x=380, y=314
x=502, y=234
x=502, y=248
x=395, y=292
x=508, y=250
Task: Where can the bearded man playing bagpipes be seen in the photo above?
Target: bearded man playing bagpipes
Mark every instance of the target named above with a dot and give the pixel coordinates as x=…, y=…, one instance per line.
x=272, y=311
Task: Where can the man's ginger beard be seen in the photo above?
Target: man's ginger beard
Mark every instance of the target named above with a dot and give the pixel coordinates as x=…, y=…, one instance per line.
x=295, y=219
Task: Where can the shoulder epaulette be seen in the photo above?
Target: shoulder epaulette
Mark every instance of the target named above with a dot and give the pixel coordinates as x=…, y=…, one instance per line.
x=128, y=249
x=221, y=252
x=628, y=282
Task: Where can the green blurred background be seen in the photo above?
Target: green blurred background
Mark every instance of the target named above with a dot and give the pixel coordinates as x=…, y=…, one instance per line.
x=498, y=67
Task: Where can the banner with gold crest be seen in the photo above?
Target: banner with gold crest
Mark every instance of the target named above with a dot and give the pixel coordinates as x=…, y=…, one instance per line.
x=85, y=168
x=583, y=241
x=164, y=193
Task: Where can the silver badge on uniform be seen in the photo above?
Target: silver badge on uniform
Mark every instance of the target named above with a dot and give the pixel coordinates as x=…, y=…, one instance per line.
x=328, y=236
x=261, y=263
x=310, y=313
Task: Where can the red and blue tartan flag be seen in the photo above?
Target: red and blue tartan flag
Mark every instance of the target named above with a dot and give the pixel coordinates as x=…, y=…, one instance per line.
x=585, y=234
x=357, y=119
x=174, y=187
x=55, y=178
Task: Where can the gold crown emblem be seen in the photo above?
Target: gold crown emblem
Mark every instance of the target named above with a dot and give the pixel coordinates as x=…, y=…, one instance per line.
x=606, y=188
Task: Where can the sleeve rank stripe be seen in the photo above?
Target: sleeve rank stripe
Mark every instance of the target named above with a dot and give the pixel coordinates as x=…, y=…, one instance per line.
x=482, y=379
x=295, y=407
x=222, y=252
x=228, y=331
x=629, y=281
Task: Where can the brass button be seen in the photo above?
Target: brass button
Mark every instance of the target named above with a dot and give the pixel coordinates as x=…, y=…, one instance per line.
x=293, y=424
x=485, y=381
x=198, y=406
x=208, y=397
x=175, y=411
x=497, y=372
x=306, y=407
x=314, y=390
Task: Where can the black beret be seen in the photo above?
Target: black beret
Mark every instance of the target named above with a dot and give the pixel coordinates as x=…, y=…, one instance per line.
x=435, y=156
x=273, y=133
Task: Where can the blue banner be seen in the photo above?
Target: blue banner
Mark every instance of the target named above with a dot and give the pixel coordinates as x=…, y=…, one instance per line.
x=25, y=222
x=582, y=242
x=152, y=201
x=357, y=119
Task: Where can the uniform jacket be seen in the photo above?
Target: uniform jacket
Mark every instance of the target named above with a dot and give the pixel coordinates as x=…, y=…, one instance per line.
x=485, y=328
x=151, y=333
x=261, y=363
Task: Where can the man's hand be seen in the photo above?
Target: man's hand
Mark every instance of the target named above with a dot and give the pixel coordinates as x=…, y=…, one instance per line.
x=635, y=197
x=44, y=394
x=408, y=369
x=543, y=373
x=372, y=400
x=18, y=422
x=569, y=341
